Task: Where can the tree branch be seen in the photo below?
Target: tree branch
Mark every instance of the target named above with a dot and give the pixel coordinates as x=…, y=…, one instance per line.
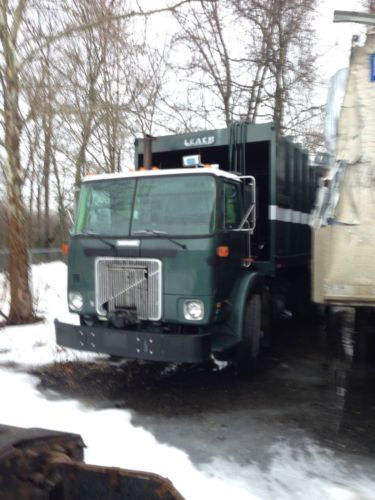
x=99, y=21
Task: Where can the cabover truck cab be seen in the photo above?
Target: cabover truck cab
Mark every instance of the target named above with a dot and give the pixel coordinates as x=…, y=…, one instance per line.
x=178, y=263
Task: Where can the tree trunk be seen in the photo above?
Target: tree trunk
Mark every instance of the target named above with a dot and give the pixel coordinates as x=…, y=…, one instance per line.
x=60, y=199
x=21, y=306
x=47, y=128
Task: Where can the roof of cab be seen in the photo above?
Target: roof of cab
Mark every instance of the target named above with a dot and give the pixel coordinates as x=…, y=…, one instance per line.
x=131, y=174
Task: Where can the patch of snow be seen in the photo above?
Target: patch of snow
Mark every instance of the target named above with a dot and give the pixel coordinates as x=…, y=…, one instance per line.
x=35, y=344
x=112, y=440
x=110, y=437
x=291, y=473
x=311, y=472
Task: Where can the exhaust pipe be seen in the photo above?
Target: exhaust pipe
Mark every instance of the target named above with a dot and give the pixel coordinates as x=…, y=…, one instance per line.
x=147, y=151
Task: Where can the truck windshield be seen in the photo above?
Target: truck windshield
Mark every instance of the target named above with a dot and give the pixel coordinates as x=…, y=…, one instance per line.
x=181, y=205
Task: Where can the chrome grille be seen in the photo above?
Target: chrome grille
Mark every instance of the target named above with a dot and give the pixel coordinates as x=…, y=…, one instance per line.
x=130, y=284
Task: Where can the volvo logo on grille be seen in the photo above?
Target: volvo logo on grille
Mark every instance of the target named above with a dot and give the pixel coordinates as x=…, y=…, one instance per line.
x=128, y=243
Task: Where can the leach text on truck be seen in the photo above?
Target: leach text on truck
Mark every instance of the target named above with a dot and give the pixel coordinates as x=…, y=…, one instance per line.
x=189, y=257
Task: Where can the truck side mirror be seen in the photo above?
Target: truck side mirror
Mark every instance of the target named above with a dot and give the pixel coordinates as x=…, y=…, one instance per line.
x=70, y=216
x=249, y=196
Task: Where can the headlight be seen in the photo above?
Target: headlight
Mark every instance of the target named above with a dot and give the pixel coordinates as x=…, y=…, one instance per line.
x=193, y=310
x=75, y=301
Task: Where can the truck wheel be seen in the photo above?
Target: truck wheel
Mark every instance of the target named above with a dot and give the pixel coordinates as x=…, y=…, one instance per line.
x=364, y=349
x=247, y=357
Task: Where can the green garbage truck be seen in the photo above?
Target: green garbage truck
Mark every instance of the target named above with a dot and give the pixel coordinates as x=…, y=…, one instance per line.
x=188, y=255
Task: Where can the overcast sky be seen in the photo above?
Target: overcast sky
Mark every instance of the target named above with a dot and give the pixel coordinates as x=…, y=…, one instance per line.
x=335, y=38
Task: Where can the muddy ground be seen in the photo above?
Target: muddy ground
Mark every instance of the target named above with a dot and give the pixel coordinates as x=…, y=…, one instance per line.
x=301, y=390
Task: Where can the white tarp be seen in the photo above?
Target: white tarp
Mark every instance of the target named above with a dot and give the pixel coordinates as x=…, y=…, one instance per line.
x=336, y=93
x=344, y=232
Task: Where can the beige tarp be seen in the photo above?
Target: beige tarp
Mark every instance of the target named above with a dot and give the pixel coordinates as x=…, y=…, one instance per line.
x=344, y=252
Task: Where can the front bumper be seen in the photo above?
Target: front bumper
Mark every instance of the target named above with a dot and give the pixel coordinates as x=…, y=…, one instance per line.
x=133, y=344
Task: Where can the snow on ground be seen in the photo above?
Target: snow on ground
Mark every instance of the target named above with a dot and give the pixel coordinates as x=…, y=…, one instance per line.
x=113, y=440
x=33, y=345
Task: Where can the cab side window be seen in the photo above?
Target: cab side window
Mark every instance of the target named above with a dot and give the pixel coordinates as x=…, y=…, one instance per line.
x=232, y=206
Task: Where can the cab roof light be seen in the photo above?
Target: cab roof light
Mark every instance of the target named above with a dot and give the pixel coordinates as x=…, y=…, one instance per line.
x=191, y=161
x=195, y=161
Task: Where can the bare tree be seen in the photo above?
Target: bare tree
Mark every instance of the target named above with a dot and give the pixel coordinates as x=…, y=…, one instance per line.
x=210, y=63
x=19, y=47
x=21, y=308
x=148, y=71
x=287, y=52
x=255, y=58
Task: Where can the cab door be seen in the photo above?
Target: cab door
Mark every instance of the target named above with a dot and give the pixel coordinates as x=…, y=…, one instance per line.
x=231, y=208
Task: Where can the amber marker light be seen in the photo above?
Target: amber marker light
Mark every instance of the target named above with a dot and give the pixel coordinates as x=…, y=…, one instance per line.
x=64, y=248
x=222, y=251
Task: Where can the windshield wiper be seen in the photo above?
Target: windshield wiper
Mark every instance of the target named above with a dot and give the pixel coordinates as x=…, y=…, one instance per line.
x=158, y=233
x=96, y=235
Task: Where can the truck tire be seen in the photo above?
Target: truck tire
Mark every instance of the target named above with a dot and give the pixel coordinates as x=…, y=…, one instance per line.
x=247, y=356
x=364, y=345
